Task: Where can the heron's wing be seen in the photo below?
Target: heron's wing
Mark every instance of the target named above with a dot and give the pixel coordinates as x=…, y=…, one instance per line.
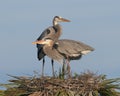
x=48, y=32
x=72, y=45
x=72, y=48
x=40, y=52
x=68, y=48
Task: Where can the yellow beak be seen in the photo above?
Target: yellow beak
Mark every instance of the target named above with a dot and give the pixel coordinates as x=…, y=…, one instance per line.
x=38, y=42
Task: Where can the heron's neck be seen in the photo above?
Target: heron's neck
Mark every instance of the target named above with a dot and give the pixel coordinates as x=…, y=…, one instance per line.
x=48, y=49
x=58, y=31
x=55, y=23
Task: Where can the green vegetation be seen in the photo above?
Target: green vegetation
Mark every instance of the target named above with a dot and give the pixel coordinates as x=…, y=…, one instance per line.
x=84, y=84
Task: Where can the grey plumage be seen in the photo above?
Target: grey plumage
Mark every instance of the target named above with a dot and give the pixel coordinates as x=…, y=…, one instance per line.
x=72, y=49
x=64, y=49
x=49, y=32
x=53, y=32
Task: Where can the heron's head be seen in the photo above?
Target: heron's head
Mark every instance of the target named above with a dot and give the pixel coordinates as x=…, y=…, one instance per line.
x=46, y=41
x=59, y=19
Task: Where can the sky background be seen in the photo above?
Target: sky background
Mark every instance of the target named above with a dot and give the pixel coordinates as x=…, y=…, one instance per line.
x=94, y=22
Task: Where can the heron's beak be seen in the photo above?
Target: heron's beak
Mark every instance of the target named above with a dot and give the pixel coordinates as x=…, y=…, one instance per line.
x=64, y=20
x=38, y=42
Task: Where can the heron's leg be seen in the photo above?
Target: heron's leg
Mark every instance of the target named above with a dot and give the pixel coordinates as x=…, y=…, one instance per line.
x=68, y=67
x=52, y=61
x=63, y=68
x=43, y=66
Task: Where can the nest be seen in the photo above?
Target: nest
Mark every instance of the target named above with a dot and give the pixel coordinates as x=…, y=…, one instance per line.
x=85, y=84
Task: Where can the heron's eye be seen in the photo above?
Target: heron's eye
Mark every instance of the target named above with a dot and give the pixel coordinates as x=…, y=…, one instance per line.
x=48, y=31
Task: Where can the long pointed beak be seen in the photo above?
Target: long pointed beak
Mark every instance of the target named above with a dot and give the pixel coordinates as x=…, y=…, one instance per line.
x=38, y=42
x=65, y=20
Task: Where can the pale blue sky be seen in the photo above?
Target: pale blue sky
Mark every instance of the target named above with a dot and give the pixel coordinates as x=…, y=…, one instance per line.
x=94, y=22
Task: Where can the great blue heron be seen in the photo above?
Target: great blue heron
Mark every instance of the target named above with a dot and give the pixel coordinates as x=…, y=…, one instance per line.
x=64, y=49
x=53, y=32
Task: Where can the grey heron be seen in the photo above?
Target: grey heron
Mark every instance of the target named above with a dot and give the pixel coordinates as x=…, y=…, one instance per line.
x=53, y=32
x=64, y=49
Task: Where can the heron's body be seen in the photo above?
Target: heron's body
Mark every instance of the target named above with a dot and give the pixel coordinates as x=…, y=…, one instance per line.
x=53, y=53
x=72, y=49
x=53, y=32
x=64, y=49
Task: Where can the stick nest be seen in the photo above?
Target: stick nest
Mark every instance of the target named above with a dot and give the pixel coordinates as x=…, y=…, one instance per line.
x=85, y=84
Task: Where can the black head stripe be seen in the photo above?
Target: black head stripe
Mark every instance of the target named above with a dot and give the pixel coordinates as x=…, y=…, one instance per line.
x=56, y=17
